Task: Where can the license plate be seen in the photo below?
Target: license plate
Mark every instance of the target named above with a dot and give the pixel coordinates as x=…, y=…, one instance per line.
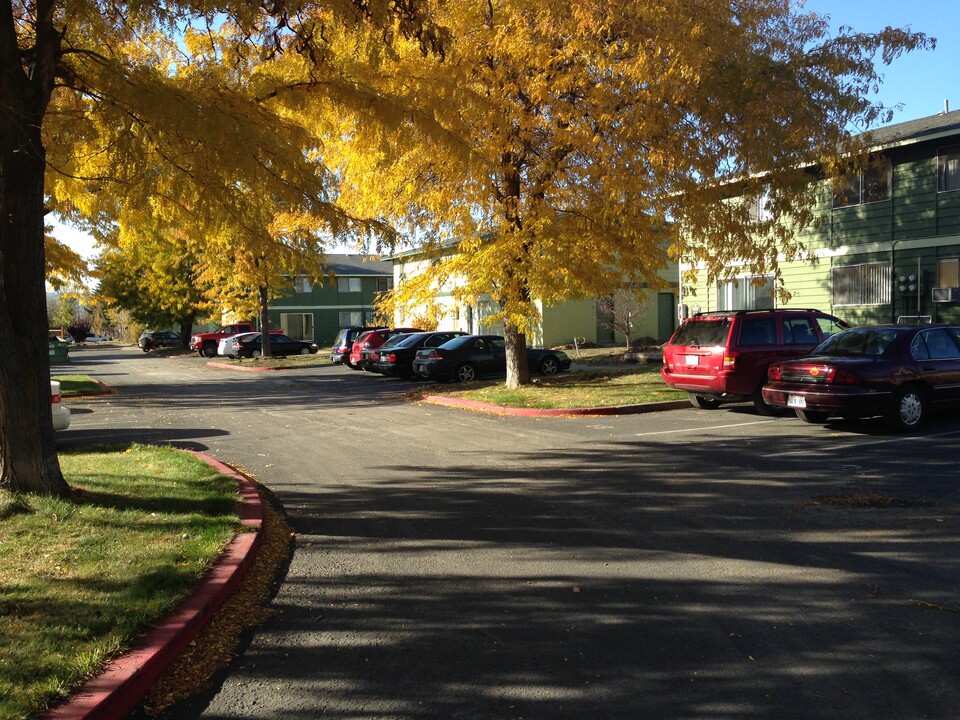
x=691, y=360
x=796, y=401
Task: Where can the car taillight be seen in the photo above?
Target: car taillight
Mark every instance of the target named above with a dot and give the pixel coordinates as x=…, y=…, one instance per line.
x=773, y=373
x=430, y=355
x=54, y=399
x=729, y=362
x=839, y=376
x=392, y=357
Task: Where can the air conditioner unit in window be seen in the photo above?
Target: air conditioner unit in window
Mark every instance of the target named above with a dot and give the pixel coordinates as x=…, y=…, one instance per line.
x=947, y=294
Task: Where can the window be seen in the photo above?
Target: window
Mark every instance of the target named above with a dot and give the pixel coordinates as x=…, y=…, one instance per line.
x=759, y=208
x=872, y=184
x=349, y=319
x=867, y=284
x=348, y=285
x=299, y=326
x=384, y=284
x=948, y=169
x=743, y=294
x=302, y=284
x=758, y=331
x=798, y=331
x=935, y=344
x=948, y=273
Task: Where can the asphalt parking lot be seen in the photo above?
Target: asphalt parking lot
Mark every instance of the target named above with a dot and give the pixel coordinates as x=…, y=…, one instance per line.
x=453, y=564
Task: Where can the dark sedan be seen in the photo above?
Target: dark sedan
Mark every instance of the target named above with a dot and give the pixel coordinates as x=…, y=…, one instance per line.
x=396, y=360
x=895, y=371
x=467, y=358
x=159, y=338
x=250, y=345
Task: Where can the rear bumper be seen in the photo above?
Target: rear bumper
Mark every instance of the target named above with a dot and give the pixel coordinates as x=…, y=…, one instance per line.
x=856, y=401
x=722, y=385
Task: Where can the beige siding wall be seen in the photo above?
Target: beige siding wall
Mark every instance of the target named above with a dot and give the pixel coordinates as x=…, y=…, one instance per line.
x=562, y=322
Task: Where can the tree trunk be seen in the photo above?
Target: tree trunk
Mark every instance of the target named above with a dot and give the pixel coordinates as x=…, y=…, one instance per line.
x=264, y=323
x=186, y=330
x=518, y=370
x=28, y=455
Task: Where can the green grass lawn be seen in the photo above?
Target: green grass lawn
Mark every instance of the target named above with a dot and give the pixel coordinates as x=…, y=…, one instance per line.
x=597, y=388
x=77, y=385
x=82, y=578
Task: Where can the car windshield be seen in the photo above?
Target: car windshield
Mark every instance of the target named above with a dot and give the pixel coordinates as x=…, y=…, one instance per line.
x=408, y=340
x=859, y=342
x=703, y=333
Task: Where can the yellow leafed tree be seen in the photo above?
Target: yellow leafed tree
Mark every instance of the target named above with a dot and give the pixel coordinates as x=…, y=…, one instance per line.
x=560, y=148
x=153, y=115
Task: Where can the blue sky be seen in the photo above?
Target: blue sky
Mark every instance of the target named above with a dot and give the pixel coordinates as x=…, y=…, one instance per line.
x=920, y=81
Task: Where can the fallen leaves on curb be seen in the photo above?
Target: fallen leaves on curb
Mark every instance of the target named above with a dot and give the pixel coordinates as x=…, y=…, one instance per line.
x=215, y=646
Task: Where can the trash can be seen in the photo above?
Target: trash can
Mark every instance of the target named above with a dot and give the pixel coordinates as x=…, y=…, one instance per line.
x=59, y=351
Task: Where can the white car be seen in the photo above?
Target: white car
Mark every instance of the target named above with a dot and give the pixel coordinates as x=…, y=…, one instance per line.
x=227, y=347
x=61, y=413
x=96, y=338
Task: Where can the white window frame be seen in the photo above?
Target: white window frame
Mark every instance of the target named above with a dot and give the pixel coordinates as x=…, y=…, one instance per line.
x=302, y=284
x=950, y=278
x=948, y=169
x=857, y=184
x=349, y=284
x=864, y=284
x=306, y=324
x=741, y=291
x=350, y=318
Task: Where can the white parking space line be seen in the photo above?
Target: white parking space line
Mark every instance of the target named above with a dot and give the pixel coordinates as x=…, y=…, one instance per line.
x=853, y=442
x=701, y=429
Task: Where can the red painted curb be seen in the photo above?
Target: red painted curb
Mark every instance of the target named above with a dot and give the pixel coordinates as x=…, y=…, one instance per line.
x=556, y=412
x=117, y=691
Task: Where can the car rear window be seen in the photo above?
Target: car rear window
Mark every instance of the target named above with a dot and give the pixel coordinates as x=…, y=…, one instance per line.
x=859, y=342
x=703, y=333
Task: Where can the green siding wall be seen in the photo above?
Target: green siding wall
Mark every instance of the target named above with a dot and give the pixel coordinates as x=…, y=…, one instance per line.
x=325, y=303
x=917, y=225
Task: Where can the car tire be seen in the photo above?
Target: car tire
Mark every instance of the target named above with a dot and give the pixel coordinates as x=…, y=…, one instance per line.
x=814, y=417
x=466, y=373
x=908, y=410
x=145, y=349
x=256, y=354
x=549, y=366
x=761, y=406
x=209, y=350
x=305, y=351
x=703, y=402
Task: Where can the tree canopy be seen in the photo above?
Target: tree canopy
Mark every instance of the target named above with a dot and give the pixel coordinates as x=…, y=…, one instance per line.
x=566, y=149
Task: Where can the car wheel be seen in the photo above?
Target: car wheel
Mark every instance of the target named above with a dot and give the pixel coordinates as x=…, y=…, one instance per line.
x=549, y=366
x=703, y=402
x=908, y=411
x=305, y=351
x=256, y=354
x=209, y=350
x=466, y=373
x=760, y=405
x=145, y=349
x=814, y=417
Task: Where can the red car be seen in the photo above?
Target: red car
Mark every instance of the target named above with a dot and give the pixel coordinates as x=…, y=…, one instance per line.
x=896, y=371
x=364, y=350
x=721, y=357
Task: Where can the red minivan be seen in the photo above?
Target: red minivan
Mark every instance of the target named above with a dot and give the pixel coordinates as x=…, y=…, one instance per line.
x=720, y=357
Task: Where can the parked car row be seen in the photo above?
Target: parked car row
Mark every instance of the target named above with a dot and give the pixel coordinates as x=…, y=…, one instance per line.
x=814, y=364
x=250, y=345
x=153, y=339
x=441, y=355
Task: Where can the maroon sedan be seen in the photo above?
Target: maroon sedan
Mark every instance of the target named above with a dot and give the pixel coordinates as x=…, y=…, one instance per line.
x=898, y=372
